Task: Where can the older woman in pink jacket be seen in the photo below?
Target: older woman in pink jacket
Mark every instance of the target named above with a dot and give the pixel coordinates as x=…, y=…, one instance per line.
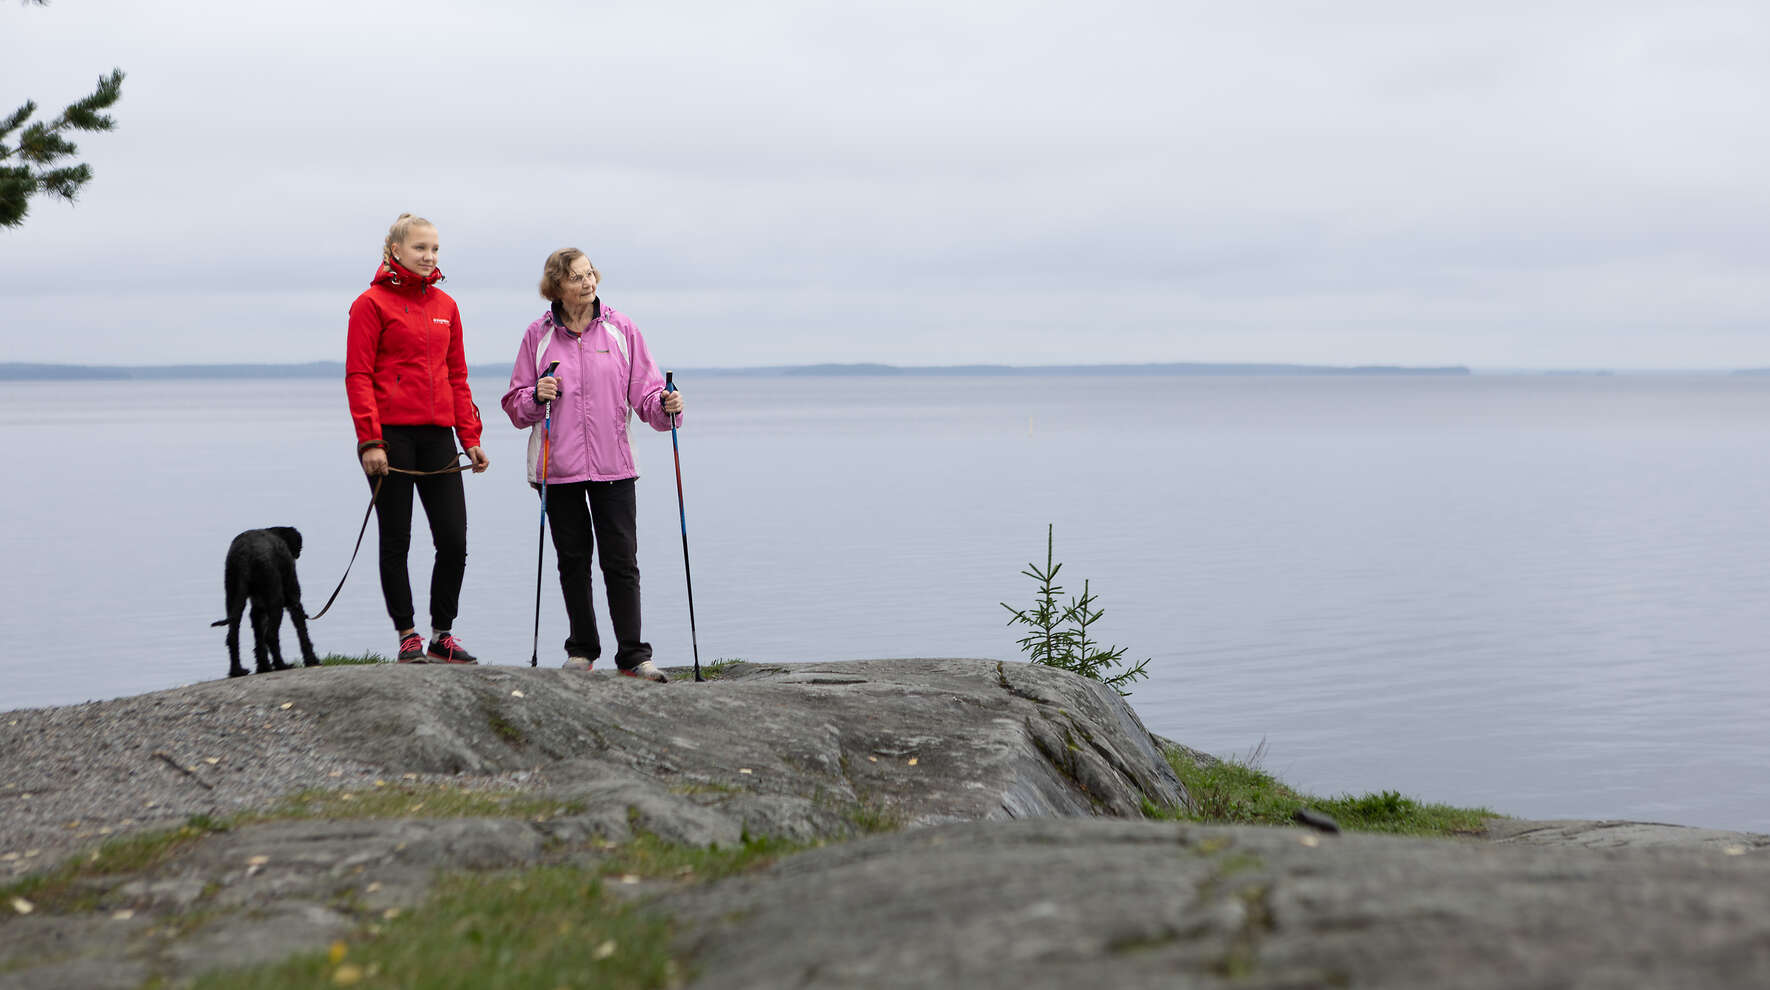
x=605, y=375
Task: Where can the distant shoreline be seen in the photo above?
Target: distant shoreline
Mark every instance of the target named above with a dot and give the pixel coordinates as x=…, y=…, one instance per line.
x=23, y=371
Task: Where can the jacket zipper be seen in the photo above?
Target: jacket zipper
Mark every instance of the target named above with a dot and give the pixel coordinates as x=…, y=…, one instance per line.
x=429, y=349
x=584, y=406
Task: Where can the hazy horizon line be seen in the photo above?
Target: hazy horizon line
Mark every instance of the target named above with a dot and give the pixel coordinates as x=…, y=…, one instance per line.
x=52, y=371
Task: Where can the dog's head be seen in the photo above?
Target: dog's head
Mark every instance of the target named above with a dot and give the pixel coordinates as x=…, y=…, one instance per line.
x=290, y=536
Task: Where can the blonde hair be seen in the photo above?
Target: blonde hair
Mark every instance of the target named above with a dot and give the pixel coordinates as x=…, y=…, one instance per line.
x=401, y=229
x=556, y=270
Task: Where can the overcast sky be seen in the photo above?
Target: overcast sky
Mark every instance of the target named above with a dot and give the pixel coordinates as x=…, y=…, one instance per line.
x=1501, y=184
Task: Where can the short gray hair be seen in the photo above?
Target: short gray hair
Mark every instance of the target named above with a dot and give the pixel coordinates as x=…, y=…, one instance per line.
x=557, y=269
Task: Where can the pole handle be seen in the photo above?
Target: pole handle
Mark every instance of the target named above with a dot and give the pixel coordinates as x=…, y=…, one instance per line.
x=669, y=386
x=549, y=403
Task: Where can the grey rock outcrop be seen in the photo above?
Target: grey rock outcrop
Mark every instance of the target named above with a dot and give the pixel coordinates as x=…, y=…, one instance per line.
x=801, y=751
x=1065, y=903
x=1022, y=864
x=264, y=892
x=808, y=751
x=1588, y=834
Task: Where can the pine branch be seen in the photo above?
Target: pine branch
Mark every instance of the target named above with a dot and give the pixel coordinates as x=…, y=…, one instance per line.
x=42, y=142
x=42, y=145
x=83, y=115
x=16, y=186
x=65, y=183
x=13, y=123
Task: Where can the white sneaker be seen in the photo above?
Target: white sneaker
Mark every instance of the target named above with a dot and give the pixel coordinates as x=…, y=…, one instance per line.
x=579, y=663
x=647, y=671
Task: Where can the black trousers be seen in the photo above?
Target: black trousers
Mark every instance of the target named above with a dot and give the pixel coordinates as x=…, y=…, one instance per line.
x=422, y=448
x=600, y=516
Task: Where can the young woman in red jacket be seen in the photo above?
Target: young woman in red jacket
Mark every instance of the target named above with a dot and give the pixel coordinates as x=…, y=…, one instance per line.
x=405, y=372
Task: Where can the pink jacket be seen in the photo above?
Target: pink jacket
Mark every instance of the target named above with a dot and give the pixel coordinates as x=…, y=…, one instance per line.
x=605, y=375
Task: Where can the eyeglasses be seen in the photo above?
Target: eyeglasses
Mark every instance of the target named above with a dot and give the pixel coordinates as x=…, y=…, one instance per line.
x=577, y=279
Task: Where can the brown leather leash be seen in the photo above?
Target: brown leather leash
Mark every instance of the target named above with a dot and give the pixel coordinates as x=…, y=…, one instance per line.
x=457, y=468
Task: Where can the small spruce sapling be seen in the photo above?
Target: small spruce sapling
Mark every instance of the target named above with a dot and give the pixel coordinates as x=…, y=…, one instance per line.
x=1059, y=634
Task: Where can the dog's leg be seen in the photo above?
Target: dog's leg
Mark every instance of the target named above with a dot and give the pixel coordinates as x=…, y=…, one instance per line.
x=261, y=633
x=298, y=615
x=233, y=644
x=276, y=639
x=270, y=597
x=235, y=583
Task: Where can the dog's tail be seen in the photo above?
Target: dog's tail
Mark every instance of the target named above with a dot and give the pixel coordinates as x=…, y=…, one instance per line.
x=218, y=622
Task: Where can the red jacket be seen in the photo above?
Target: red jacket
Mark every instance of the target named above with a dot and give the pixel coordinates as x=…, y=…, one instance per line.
x=404, y=364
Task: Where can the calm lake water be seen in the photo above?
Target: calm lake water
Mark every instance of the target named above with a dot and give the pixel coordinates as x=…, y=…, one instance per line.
x=1541, y=594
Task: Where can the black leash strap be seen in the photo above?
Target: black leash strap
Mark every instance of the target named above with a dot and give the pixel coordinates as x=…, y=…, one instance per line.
x=457, y=468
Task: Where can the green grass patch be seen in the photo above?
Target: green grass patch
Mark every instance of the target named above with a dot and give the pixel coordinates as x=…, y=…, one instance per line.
x=545, y=927
x=712, y=671
x=341, y=660
x=65, y=888
x=871, y=817
x=502, y=727
x=555, y=926
x=646, y=855
x=61, y=889
x=1238, y=792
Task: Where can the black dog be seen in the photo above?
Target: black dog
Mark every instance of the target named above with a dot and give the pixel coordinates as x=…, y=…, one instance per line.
x=261, y=569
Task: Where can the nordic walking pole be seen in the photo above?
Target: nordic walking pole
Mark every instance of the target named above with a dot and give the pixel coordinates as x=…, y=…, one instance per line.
x=541, y=540
x=670, y=386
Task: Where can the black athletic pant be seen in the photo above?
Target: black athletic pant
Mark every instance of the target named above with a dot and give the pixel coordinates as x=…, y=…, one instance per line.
x=422, y=448
x=600, y=516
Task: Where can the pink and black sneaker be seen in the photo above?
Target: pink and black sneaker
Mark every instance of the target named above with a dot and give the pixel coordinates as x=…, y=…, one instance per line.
x=447, y=649
x=411, y=649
